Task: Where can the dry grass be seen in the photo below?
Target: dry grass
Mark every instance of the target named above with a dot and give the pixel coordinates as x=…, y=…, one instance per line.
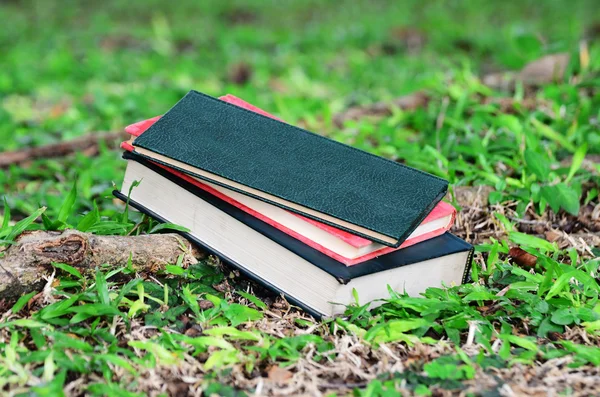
x=353, y=363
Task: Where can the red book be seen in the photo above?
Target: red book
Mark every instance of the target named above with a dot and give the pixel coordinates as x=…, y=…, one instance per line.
x=344, y=247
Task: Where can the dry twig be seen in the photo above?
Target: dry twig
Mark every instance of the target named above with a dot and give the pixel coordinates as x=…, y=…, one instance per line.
x=26, y=262
x=544, y=70
x=61, y=149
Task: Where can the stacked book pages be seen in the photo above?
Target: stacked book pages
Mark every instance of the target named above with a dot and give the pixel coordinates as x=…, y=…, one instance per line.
x=306, y=216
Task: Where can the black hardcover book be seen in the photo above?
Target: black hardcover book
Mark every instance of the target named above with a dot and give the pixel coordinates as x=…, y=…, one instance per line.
x=304, y=275
x=336, y=184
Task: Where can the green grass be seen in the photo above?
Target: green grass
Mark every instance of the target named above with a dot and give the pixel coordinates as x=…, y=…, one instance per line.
x=69, y=68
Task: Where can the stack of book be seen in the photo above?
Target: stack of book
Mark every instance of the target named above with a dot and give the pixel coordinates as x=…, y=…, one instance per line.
x=306, y=216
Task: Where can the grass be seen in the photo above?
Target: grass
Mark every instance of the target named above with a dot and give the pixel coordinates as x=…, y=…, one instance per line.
x=69, y=68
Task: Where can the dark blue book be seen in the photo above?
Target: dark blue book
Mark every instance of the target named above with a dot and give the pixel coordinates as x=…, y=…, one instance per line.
x=333, y=183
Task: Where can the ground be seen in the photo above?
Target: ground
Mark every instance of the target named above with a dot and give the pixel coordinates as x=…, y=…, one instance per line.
x=447, y=87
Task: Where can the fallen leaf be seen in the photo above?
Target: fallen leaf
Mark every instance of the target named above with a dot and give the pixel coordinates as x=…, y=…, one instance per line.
x=205, y=304
x=223, y=286
x=278, y=374
x=240, y=73
x=521, y=257
x=194, y=330
x=184, y=319
x=552, y=235
x=547, y=69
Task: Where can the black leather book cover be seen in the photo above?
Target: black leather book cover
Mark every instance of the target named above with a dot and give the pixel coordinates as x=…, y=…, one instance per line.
x=296, y=165
x=445, y=244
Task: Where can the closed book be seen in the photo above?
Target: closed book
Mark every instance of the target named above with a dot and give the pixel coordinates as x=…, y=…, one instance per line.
x=366, y=195
x=310, y=279
x=336, y=243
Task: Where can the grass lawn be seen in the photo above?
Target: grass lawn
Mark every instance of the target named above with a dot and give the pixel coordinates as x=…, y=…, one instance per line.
x=523, y=159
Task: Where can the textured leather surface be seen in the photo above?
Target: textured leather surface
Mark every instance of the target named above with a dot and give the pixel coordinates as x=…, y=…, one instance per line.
x=445, y=244
x=294, y=164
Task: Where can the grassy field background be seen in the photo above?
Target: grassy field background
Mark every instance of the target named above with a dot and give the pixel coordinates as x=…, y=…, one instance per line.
x=522, y=159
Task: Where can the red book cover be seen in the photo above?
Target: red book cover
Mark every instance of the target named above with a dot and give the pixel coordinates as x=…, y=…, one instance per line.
x=442, y=210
